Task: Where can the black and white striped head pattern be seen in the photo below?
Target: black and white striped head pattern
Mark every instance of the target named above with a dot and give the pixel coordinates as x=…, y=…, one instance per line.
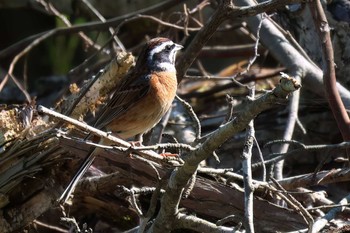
x=160, y=54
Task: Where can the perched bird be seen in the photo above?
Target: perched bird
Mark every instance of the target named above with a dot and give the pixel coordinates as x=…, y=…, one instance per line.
x=141, y=99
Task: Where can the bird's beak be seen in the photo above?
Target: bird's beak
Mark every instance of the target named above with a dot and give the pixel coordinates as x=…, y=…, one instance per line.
x=178, y=47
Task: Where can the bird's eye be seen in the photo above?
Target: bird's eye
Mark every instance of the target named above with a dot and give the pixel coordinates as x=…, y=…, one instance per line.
x=168, y=47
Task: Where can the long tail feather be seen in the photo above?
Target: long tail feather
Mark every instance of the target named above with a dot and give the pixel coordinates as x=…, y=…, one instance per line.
x=73, y=183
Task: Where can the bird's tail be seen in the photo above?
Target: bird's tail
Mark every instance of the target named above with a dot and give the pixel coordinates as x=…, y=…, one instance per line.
x=73, y=183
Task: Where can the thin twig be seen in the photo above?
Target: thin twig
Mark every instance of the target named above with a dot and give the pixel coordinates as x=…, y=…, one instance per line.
x=225, y=10
x=100, y=16
x=329, y=76
x=49, y=227
x=43, y=36
x=36, y=42
x=134, y=203
x=233, y=84
x=256, y=54
x=285, y=52
x=181, y=146
x=100, y=133
x=180, y=177
x=90, y=26
x=193, y=116
x=275, y=157
x=298, y=206
x=320, y=178
x=51, y=9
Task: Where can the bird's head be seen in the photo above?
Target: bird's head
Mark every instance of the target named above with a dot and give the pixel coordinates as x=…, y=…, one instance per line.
x=160, y=54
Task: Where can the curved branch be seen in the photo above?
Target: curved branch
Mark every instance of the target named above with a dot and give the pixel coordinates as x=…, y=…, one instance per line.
x=91, y=26
x=329, y=78
x=225, y=11
x=180, y=177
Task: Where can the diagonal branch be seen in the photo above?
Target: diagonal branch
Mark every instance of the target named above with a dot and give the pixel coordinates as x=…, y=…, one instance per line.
x=322, y=222
x=286, y=53
x=180, y=177
x=225, y=11
x=90, y=26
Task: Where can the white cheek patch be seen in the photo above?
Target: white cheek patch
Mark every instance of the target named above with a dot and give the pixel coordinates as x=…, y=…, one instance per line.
x=172, y=56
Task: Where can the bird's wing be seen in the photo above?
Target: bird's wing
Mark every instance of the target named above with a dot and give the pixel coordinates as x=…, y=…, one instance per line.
x=128, y=93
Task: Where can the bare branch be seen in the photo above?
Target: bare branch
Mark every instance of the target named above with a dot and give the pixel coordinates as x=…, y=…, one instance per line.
x=91, y=26
x=321, y=223
x=197, y=224
x=329, y=77
x=285, y=52
x=275, y=157
x=295, y=204
x=97, y=132
x=51, y=9
x=289, y=130
x=247, y=172
x=225, y=10
x=182, y=175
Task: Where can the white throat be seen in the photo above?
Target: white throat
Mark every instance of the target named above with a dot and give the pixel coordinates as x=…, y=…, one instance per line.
x=166, y=66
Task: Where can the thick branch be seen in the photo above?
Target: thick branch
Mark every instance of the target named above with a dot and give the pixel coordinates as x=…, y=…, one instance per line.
x=181, y=176
x=209, y=198
x=285, y=52
x=247, y=174
x=322, y=222
x=289, y=130
x=191, y=222
x=18, y=216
